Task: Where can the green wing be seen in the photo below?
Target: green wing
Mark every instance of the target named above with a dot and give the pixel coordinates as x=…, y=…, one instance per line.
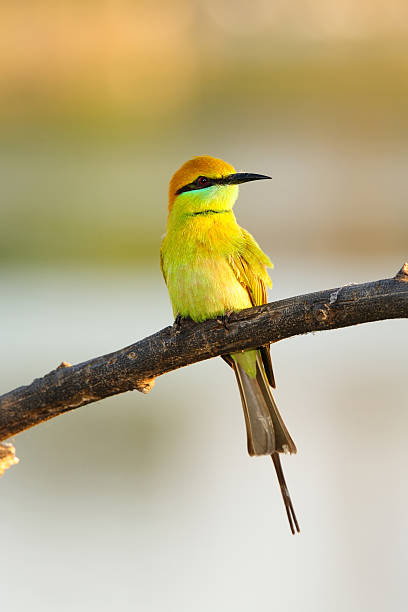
x=249, y=265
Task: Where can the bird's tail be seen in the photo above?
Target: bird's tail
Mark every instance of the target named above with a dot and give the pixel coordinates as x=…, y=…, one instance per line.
x=266, y=431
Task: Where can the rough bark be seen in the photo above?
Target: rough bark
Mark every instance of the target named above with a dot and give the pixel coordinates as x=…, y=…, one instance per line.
x=137, y=365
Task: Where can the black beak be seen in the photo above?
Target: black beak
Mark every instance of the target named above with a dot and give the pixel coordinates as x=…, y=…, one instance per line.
x=241, y=177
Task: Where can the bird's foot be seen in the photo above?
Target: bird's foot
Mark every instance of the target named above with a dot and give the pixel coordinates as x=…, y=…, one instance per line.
x=224, y=320
x=177, y=324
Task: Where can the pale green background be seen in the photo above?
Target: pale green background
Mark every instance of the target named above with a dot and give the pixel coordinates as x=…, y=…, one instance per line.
x=151, y=502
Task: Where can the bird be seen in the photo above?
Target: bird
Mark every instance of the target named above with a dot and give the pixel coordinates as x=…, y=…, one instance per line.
x=213, y=267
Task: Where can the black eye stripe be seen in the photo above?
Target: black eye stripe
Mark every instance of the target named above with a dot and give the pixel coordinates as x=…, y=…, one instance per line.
x=198, y=183
x=230, y=179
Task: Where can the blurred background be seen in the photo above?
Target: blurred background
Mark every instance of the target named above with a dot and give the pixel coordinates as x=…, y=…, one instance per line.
x=151, y=502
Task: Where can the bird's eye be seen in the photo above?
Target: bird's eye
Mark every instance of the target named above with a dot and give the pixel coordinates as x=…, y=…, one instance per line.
x=202, y=181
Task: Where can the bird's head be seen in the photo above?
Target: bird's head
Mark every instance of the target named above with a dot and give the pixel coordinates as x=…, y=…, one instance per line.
x=206, y=183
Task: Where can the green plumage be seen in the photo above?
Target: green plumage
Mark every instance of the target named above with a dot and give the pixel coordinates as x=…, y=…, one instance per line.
x=213, y=267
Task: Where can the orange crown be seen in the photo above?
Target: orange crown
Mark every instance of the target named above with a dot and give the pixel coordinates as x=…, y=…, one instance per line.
x=203, y=165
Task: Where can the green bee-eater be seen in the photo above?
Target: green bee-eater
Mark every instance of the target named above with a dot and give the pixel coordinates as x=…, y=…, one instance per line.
x=213, y=267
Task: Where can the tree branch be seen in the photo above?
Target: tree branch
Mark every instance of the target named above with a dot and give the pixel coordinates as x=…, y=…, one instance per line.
x=136, y=366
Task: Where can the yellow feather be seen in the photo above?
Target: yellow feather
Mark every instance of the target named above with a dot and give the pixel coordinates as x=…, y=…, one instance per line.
x=212, y=266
